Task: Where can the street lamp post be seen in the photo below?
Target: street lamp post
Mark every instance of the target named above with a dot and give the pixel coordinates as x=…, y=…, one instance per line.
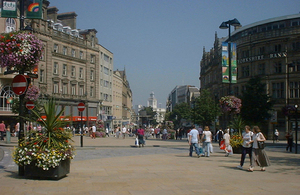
x=225, y=25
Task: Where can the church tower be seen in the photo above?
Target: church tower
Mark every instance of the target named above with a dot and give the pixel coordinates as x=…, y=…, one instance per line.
x=152, y=101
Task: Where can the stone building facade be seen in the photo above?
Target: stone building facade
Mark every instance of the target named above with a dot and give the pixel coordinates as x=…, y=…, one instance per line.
x=74, y=67
x=268, y=49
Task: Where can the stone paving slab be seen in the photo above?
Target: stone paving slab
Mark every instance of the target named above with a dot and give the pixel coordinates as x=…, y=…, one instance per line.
x=171, y=172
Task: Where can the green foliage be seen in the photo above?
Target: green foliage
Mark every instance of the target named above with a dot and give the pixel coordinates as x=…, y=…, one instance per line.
x=26, y=113
x=206, y=109
x=236, y=140
x=150, y=115
x=180, y=111
x=238, y=123
x=256, y=103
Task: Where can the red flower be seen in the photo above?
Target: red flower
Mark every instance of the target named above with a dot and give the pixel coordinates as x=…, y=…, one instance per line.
x=35, y=143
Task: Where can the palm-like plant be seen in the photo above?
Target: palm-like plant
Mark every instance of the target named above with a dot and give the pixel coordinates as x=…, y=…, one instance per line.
x=49, y=147
x=238, y=123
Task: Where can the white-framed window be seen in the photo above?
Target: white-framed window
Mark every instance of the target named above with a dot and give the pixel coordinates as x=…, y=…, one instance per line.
x=73, y=89
x=10, y=25
x=65, y=50
x=55, y=68
x=55, y=48
x=81, y=73
x=295, y=89
x=106, y=83
x=41, y=76
x=64, y=73
x=81, y=90
x=92, y=75
x=73, y=53
x=55, y=87
x=278, y=90
x=65, y=88
x=81, y=55
x=73, y=71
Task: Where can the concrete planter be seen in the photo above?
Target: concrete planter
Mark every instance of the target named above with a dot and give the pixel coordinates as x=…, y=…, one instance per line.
x=56, y=173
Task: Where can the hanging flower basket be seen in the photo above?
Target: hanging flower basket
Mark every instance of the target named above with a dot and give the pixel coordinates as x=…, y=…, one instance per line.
x=230, y=104
x=32, y=93
x=20, y=50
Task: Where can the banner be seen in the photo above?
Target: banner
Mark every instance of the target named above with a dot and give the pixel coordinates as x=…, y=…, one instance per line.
x=34, y=9
x=9, y=9
x=225, y=63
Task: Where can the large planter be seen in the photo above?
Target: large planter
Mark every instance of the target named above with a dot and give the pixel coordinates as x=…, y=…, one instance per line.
x=237, y=150
x=58, y=172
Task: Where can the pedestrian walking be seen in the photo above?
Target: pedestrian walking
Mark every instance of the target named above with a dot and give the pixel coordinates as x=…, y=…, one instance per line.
x=94, y=129
x=246, y=147
x=276, y=134
x=140, y=134
x=259, y=155
x=2, y=130
x=220, y=134
x=289, y=137
x=124, y=131
x=226, y=138
x=106, y=132
x=207, y=138
x=194, y=140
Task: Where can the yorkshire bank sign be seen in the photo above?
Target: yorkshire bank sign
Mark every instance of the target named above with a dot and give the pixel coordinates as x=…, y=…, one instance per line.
x=262, y=57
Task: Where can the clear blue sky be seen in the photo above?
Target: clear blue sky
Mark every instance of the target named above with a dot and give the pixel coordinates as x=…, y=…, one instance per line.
x=160, y=42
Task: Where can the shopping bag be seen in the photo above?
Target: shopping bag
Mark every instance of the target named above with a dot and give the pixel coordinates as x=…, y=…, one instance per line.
x=222, y=145
x=230, y=150
x=136, y=142
x=211, y=148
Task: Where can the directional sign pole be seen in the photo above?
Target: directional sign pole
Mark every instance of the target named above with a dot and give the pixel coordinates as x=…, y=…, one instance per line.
x=81, y=107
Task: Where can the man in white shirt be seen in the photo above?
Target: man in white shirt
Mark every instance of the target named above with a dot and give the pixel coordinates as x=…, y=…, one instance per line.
x=94, y=129
x=194, y=140
x=124, y=132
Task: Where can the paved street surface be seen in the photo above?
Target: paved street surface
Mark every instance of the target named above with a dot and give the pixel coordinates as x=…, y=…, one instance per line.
x=114, y=166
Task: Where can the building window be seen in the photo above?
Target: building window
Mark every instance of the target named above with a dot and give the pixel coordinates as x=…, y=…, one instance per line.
x=73, y=53
x=294, y=89
x=92, y=75
x=81, y=73
x=64, y=73
x=106, y=71
x=277, y=48
x=41, y=76
x=73, y=89
x=65, y=50
x=261, y=69
x=245, y=71
x=278, y=67
x=65, y=88
x=73, y=71
x=81, y=90
x=106, y=84
x=261, y=51
x=55, y=48
x=278, y=90
x=106, y=58
x=92, y=92
x=55, y=87
x=81, y=55
x=55, y=68
x=10, y=25
x=92, y=59
x=296, y=45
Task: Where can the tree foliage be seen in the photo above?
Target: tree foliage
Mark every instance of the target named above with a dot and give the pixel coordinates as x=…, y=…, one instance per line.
x=206, y=108
x=256, y=103
x=180, y=111
x=150, y=115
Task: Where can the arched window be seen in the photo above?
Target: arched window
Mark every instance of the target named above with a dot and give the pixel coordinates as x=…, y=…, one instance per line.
x=6, y=98
x=10, y=25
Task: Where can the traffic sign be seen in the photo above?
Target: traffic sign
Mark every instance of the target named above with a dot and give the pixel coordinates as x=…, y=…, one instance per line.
x=81, y=107
x=29, y=105
x=19, y=84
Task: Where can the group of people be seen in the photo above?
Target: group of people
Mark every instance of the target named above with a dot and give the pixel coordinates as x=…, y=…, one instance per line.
x=250, y=146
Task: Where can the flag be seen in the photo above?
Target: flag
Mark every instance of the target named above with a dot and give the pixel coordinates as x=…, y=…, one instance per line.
x=9, y=9
x=34, y=9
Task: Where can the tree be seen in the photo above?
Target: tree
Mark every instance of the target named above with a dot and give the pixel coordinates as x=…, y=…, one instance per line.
x=256, y=103
x=180, y=111
x=206, y=109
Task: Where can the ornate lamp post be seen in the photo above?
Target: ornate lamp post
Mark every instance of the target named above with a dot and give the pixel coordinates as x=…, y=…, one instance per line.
x=225, y=25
